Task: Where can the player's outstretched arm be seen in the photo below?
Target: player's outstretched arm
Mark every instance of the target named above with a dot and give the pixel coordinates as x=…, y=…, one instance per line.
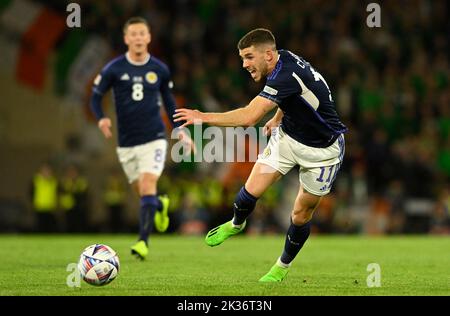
x=246, y=116
x=187, y=141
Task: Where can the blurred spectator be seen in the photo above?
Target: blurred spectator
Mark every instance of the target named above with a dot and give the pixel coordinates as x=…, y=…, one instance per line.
x=378, y=219
x=114, y=197
x=193, y=218
x=73, y=197
x=391, y=85
x=440, y=222
x=44, y=199
x=323, y=216
x=396, y=197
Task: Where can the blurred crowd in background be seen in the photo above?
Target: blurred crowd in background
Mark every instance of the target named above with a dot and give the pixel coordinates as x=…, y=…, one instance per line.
x=390, y=85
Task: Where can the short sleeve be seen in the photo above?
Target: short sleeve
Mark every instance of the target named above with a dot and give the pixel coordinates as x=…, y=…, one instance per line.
x=280, y=86
x=104, y=80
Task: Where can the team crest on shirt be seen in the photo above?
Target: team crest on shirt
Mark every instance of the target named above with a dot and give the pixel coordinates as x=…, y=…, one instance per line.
x=151, y=77
x=266, y=152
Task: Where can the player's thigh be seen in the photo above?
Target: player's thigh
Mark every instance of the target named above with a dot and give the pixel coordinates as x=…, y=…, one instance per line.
x=278, y=153
x=318, y=180
x=147, y=184
x=151, y=157
x=129, y=162
x=261, y=177
x=275, y=161
x=310, y=157
x=319, y=166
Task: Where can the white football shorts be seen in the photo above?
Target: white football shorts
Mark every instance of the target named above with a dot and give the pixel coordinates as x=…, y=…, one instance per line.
x=146, y=158
x=318, y=166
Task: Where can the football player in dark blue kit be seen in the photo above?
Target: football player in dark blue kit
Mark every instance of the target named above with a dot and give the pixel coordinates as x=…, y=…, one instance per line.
x=306, y=132
x=138, y=79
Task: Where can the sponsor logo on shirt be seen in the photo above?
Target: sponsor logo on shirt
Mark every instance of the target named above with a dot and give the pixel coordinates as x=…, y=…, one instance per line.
x=125, y=76
x=270, y=90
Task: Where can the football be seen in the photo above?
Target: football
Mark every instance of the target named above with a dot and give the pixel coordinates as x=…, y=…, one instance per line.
x=98, y=264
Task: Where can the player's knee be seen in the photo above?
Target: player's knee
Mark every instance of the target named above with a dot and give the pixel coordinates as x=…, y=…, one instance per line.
x=301, y=217
x=147, y=185
x=147, y=190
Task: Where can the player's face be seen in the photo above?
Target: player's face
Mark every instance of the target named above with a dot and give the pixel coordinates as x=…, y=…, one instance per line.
x=137, y=37
x=255, y=62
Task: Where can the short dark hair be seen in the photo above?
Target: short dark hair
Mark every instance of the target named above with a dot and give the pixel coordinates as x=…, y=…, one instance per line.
x=256, y=37
x=135, y=20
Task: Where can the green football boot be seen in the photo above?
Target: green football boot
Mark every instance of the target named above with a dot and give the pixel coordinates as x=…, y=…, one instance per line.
x=140, y=250
x=161, y=218
x=276, y=274
x=218, y=235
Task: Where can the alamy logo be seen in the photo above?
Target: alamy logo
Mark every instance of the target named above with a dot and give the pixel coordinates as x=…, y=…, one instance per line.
x=374, y=278
x=74, y=18
x=229, y=144
x=74, y=277
x=374, y=18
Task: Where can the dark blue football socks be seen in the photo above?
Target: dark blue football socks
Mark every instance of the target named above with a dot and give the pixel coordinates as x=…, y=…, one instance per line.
x=149, y=205
x=243, y=205
x=295, y=238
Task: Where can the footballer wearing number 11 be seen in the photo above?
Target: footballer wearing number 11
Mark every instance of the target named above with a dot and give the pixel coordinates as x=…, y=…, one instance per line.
x=306, y=132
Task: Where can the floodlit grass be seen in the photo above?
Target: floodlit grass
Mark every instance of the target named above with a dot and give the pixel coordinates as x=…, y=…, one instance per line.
x=185, y=266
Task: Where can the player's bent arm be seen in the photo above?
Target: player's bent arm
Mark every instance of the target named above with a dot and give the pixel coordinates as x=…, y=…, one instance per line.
x=278, y=116
x=104, y=123
x=246, y=116
x=274, y=122
x=96, y=105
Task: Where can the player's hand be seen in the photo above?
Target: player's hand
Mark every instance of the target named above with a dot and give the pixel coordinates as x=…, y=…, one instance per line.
x=188, y=143
x=270, y=125
x=190, y=116
x=105, y=126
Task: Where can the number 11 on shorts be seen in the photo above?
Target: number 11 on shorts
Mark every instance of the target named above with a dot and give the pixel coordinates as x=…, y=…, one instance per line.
x=322, y=172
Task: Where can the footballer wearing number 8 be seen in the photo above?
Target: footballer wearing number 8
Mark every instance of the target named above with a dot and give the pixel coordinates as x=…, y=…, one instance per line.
x=137, y=80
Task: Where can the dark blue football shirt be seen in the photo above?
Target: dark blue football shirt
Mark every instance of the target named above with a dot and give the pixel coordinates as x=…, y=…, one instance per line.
x=304, y=97
x=137, y=90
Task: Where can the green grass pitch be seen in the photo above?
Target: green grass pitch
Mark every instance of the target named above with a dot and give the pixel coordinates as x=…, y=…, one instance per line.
x=179, y=266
